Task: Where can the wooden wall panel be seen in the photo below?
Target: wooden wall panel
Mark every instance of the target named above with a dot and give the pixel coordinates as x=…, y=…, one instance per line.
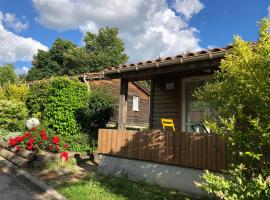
x=134, y=118
x=165, y=103
x=202, y=151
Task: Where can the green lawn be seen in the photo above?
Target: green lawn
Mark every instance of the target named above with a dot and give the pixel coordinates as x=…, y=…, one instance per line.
x=100, y=187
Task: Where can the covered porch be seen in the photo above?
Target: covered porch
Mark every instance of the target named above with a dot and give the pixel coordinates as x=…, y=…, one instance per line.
x=173, y=80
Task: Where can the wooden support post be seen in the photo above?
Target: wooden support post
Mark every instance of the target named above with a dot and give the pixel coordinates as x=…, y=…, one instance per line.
x=122, y=117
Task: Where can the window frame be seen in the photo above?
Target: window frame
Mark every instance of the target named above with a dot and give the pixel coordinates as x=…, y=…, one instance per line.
x=183, y=96
x=138, y=107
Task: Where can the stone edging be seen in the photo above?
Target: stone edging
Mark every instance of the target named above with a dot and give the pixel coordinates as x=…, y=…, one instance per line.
x=49, y=192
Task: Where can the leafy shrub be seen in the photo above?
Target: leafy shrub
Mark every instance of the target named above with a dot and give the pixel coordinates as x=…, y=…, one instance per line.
x=65, y=98
x=99, y=112
x=240, y=95
x=7, y=74
x=16, y=92
x=2, y=93
x=13, y=115
x=37, y=99
x=58, y=103
x=79, y=142
x=236, y=186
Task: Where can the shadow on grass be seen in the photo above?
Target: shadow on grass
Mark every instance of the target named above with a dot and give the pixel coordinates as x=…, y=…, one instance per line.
x=97, y=186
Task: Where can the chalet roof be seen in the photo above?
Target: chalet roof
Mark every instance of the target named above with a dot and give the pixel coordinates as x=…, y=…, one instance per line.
x=166, y=61
x=93, y=76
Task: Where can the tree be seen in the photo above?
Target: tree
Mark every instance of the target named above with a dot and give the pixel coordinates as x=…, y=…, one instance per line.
x=78, y=61
x=7, y=74
x=101, y=50
x=240, y=95
x=50, y=63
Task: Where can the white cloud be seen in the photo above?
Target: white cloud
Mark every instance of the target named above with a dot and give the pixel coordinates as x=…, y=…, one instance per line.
x=188, y=7
x=12, y=22
x=16, y=48
x=149, y=28
x=268, y=10
x=89, y=27
x=25, y=69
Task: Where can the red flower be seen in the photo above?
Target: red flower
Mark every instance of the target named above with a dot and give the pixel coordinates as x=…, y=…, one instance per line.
x=26, y=135
x=41, y=142
x=34, y=129
x=31, y=141
x=51, y=147
x=56, y=140
x=29, y=147
x=64, y=155
x=19, y=138
x=18, y=148
x=66, y=146
x=12, y=141
x=43, y=135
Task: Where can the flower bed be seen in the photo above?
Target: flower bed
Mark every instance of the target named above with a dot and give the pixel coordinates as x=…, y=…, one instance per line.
x=40, y=140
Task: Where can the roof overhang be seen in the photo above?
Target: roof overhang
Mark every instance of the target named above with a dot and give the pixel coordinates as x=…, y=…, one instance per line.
x=186, y=62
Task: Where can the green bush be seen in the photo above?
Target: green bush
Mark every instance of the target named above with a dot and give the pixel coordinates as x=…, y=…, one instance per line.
x=57, y=103
x=2, y=93
x=99, y=112
x=16, y=92
x=7, y=74
x=65, y=99
x=239, y=93
x=13, y=115
x=236, y=186
x=37, y=99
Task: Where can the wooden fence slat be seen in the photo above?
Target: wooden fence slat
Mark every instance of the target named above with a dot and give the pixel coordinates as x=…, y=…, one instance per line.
x=202, y=151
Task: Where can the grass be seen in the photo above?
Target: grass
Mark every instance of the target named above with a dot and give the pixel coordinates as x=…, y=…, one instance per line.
x=96, y=186
x=79, y=184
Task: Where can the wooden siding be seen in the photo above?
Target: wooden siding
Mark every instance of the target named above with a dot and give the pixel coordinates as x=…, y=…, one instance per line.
x=134, y=118
x=201, y=151
x=166, y=103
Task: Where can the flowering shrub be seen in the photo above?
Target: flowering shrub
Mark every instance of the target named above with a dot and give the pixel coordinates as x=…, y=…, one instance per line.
x=36, y=140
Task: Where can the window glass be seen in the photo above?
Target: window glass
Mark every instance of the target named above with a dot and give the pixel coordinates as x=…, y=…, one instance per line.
x=196, y=110
x=135, y=105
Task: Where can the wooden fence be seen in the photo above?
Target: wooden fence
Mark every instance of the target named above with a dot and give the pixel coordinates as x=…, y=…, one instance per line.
x=196, y=150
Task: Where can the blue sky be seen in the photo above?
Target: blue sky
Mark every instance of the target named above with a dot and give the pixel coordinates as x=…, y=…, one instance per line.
x=149, y=28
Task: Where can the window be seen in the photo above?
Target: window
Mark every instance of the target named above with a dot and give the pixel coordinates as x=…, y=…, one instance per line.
x=135, y=103
x=194, y=110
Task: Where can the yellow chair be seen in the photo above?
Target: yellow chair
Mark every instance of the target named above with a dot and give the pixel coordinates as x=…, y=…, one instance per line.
x=167, y=123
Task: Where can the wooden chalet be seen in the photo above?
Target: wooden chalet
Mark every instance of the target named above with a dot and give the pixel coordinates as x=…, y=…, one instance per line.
x=173, y=80
x=138, y=99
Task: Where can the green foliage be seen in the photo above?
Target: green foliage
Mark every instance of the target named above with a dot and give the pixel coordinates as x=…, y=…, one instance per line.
x=50, y=63
x=99, y=112
x=57, y=103
x=2, y=93
x=42, y=66
x=13, y=115
x=237, y=186
x=17, y=92
x=78, y=61
x=79, y=142
x=240, y=95
x=37, y=99
x=65, y=98
x=101, y=50
x=107, y=47
x=7, y=74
